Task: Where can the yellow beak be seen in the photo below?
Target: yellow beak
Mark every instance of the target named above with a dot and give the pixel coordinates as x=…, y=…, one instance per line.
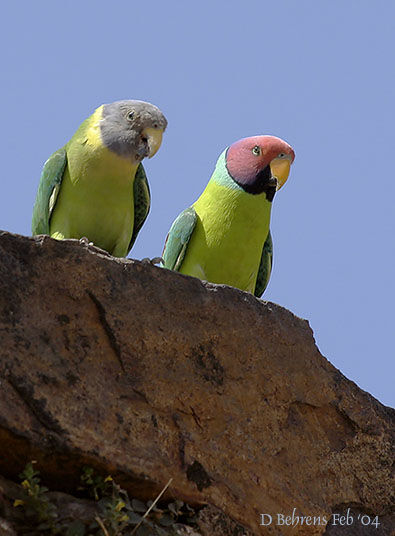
x=280, y=169
x=154, y=138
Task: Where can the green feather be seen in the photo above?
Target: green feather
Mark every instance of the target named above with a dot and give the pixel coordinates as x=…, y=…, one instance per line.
x=50, y=181
x=265, y=267
x=178, y=238
x=142, y=199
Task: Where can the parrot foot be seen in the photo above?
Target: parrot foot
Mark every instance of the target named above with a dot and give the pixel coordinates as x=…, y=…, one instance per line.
x=153, y=261
x=85, y=241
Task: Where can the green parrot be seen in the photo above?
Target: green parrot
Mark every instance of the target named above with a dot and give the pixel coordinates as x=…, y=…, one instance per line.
x=95, y=187
x=224, y=237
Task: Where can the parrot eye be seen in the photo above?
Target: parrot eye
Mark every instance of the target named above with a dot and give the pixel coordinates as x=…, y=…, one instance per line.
x=256, y=150
x=130, y=115
x=281, y=155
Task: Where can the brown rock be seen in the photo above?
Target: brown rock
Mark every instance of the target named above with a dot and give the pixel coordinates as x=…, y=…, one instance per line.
x=150, y=375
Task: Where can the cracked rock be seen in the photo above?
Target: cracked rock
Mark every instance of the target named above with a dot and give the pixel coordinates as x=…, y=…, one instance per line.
x=147, y=375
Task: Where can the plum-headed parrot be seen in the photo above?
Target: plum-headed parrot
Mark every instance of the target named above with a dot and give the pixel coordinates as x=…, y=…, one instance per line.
x=95, y=187
x=224, y=237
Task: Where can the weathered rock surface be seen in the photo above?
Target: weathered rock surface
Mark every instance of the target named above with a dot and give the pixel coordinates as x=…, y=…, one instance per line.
x=150, y=375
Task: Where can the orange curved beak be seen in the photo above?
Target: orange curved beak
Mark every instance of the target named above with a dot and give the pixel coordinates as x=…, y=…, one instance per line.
x=280, y=169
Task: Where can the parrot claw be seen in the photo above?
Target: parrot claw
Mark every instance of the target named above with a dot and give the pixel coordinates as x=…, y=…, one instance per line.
x=85, y=241
x=153, y=261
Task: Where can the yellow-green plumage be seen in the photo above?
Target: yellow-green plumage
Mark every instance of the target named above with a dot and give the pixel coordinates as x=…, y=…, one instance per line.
x=95, y=181
x=95, y=186
x=224, y=237
x=226, y=244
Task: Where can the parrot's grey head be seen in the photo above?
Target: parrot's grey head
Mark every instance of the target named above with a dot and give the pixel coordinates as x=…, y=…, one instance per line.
x=132, y=128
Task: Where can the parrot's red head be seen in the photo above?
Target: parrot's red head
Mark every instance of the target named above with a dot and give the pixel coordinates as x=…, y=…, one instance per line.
x=260, y=164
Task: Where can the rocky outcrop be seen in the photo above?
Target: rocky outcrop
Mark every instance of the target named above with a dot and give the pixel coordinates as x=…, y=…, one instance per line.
x=149, y=375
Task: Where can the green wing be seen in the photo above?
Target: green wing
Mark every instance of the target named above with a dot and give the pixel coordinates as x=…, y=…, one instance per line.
x=48, y=189
x=178, y=238
x=142, y=202
x=265, y=267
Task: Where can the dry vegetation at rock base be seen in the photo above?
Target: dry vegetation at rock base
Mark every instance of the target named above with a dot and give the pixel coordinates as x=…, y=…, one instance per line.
x=31, y=509
x=147, y=375
x=102, y=508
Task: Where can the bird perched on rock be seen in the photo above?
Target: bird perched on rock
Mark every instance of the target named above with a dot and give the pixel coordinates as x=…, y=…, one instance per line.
x=224, y=237
x=95, y=186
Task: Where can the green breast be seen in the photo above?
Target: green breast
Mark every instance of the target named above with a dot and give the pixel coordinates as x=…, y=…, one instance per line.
x=96, y=195
x=227, y=242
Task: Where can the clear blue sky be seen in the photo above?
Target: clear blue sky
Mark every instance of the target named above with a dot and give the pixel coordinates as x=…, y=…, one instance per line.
x=319, y=74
